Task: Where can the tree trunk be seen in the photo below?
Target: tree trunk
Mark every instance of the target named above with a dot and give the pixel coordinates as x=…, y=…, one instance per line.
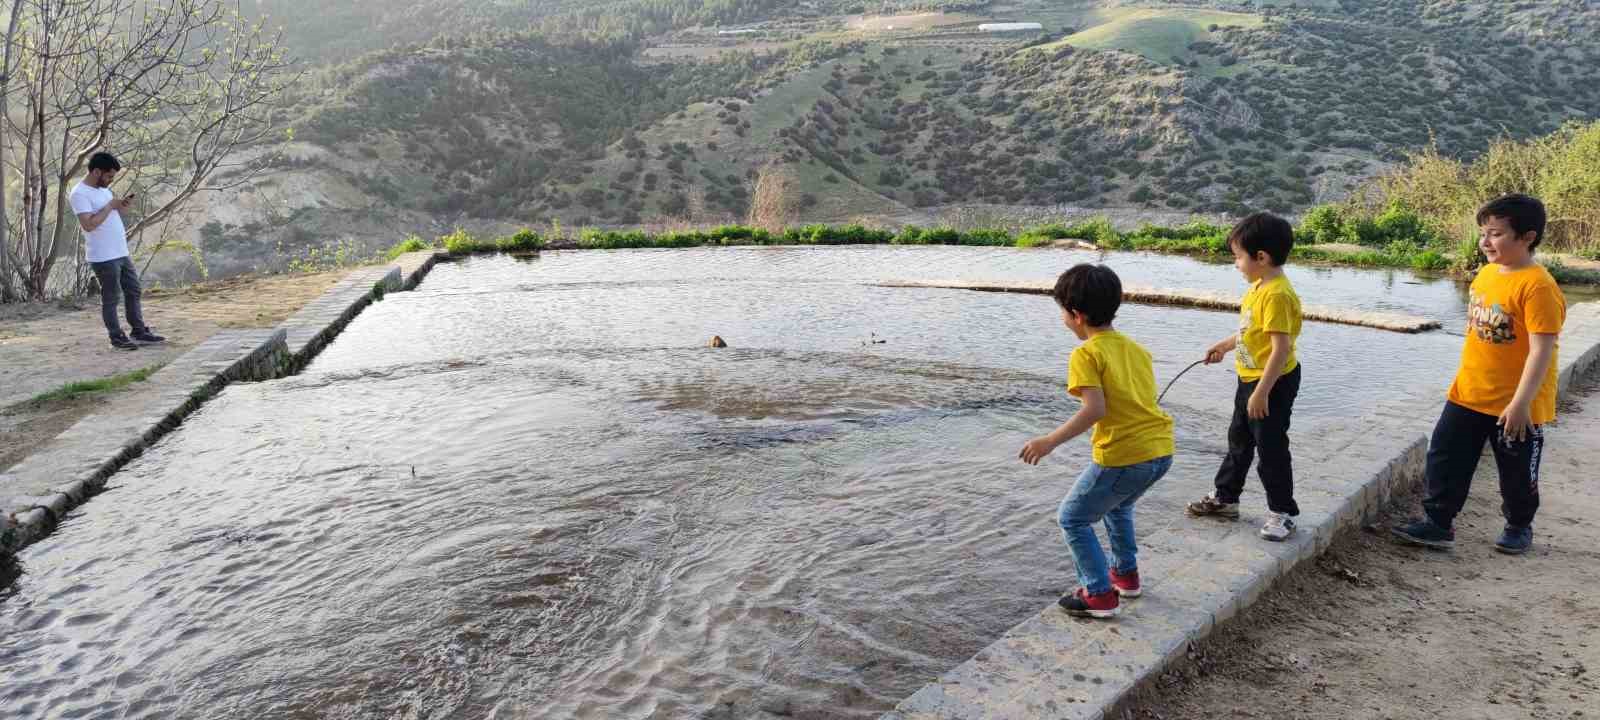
x=7, y=291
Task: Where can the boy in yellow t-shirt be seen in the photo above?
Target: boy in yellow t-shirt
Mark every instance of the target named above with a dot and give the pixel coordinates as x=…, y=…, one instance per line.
x=1269, y=377
x=1505, y=389
x=1132, y=440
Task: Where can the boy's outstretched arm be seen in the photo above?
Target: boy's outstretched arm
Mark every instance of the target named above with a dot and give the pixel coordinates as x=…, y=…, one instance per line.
x=1516, y=418
x=1221, y=348
x=1093, y=408
x=1257, y=407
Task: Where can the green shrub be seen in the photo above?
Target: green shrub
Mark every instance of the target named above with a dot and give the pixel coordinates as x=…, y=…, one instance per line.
x=909, y=235
x=462, y=242
x=520, y=241
x=987, y=236
x=1322, y=224
x=677, y=239
x=409, y=245
x=593, y=239
x=1430, y=261
x=1400, y=224
x=733, y=235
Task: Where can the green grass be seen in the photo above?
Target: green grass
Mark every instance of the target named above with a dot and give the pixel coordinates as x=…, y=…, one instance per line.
x=1160, y=34
x=84, y=388
x=408, y=245
x=1196, y=239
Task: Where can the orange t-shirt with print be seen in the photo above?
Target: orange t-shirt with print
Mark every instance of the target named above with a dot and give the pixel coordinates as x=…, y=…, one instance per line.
x=1504, y=309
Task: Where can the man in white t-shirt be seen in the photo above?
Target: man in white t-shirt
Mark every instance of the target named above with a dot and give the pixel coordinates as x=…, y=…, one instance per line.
x=99, y=214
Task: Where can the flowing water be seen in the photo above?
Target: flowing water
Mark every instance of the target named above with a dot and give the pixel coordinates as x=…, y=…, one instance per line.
x=526, y=490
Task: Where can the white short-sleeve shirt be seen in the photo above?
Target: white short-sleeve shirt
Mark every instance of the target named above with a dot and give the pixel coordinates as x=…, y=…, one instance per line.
x=110, y=240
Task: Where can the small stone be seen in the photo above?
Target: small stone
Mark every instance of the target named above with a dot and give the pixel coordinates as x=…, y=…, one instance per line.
x=717, y=342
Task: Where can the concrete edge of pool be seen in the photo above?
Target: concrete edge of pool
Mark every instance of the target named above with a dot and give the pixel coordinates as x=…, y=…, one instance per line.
x=1052, y=665
x=1203, y=299
x=38, y=492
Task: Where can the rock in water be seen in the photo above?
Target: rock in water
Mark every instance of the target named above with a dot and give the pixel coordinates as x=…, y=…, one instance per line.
x=716, y=341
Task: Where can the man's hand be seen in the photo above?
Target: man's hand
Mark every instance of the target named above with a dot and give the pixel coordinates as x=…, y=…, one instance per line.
x=123, y=203
x=1514, y=422
x=1036, y=449
x=1257, y=407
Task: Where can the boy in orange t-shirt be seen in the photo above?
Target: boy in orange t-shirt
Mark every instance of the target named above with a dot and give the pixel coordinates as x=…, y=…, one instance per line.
x=1505, y=391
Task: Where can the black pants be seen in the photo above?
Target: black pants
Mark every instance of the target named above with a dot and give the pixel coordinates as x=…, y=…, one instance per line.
x=1453, y=454
x=119, y=280
x=1268, y=437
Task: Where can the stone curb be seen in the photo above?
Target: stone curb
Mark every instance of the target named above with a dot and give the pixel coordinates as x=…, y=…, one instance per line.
x=1203, y=299
x=38, y=492
x=1052, y=665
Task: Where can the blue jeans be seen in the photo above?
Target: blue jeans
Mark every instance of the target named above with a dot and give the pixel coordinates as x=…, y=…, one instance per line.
x=1106, y=493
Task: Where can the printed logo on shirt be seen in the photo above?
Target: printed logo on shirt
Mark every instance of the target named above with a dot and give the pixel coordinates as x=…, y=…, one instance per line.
x=1245, y=358
x=1490, y=322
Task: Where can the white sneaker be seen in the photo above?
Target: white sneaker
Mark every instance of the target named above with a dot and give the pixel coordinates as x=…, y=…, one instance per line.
x=1278, y=527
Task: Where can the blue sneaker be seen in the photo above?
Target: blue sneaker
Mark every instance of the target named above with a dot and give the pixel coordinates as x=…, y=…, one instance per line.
x=1515, y=540
x=1425, y=533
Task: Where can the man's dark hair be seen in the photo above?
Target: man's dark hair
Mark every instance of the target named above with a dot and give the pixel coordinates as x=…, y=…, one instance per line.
x=1093, y=290
x=1523, y=213
x=1264, y=232
x=104, y=161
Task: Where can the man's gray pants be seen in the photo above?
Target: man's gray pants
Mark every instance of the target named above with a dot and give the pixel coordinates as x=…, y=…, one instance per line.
x=119, y=279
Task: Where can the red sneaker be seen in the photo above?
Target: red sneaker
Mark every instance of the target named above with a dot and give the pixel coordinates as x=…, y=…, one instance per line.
x=1082, y=604
x=1126, y=585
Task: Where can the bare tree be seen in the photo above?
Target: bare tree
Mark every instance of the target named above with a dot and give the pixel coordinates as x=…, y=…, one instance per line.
x=175, y=88
x=8, y=292
x=774, y=201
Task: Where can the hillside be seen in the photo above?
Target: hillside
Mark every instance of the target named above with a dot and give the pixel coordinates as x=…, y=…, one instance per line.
x=1196, y=107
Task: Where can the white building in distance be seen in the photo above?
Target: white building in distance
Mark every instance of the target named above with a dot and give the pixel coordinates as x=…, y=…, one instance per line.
x=1010, y=27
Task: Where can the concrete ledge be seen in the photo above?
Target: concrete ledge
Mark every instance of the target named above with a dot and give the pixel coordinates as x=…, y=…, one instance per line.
x=36, y=493
x=1205, y=299
x=1198, y=575
x=315, y=325
x=415, y=266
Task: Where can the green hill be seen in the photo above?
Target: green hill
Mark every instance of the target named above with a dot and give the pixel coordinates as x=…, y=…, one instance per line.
x=1163, y=34
x=639, y=111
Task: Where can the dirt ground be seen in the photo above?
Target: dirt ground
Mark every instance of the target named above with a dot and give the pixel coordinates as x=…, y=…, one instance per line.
x=908, y=21
x=46, y=345
x=1375, y=629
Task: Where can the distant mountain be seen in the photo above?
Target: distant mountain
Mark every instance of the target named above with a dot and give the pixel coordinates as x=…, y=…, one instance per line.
x=641, y=110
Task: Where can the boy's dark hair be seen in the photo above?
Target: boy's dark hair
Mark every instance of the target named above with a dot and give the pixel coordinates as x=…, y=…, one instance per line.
x=1094, y=290
x=104, y=161
x=1522, y=212
x=1264, y=232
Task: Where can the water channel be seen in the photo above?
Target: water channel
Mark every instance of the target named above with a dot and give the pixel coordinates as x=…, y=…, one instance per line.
x=526, y=490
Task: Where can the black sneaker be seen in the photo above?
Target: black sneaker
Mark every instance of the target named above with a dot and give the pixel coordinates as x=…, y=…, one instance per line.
x=148, y=338
x=1515, y=540
x=1211, y=506
x=1425, y=533
x=124, y=344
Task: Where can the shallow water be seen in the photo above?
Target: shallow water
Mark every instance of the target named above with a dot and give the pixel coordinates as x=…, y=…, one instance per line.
x=525, y=490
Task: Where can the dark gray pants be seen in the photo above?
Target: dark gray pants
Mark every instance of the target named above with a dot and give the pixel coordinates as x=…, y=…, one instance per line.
x=119, y=279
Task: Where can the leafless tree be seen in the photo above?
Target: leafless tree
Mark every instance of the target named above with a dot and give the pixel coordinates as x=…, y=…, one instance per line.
x=175, y=88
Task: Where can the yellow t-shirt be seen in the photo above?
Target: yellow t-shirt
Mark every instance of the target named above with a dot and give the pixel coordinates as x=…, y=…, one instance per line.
x=1134, y=429
x=1504, y=308
x=1268, y=307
